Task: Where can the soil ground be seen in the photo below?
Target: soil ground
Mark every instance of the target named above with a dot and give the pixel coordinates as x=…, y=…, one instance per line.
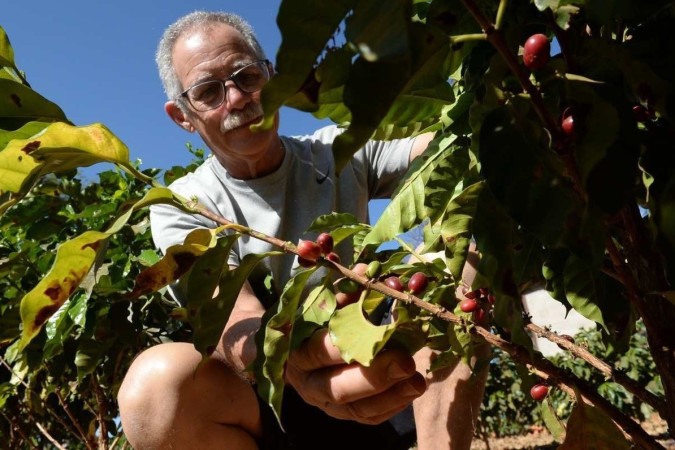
x=540, y=439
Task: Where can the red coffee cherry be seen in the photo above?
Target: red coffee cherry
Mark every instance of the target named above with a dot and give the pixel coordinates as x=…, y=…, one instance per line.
x=539, y=392
x=536, y=51
x=468, y=305
x=308, y=250
x=394, y=283
x=417, y=283
x=325, y=241
x=334, y=257
x=568, y=125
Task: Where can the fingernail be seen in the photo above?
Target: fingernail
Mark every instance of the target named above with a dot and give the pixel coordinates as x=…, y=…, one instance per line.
x=396, y=372
x=408, y=389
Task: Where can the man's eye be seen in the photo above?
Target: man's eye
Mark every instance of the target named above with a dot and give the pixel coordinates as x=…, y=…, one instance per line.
x=206, y=92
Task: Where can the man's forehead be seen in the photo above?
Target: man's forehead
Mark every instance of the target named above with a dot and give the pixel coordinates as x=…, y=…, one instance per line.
x=215, y=35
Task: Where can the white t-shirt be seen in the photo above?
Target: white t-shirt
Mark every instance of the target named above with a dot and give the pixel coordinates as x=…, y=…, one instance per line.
x=284, y=203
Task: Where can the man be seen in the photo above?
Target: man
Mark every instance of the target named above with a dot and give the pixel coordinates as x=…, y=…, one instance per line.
x=213, y=69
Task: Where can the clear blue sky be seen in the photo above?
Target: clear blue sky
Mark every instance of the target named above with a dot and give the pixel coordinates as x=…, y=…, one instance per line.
x=95, y=59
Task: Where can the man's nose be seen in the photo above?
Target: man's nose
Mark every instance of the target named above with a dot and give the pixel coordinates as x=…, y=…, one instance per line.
x=235, y=98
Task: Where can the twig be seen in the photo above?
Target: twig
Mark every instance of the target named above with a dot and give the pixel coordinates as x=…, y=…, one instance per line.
x=14, y=426
x=72, y=418
x=100, y=413
x=47, y=406
x=48, y=436
x=620, y=378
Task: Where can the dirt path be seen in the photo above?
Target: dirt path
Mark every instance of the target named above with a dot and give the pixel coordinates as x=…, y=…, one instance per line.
x=540, y=439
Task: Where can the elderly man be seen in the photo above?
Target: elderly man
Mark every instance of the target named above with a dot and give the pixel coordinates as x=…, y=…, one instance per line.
x=213, y=69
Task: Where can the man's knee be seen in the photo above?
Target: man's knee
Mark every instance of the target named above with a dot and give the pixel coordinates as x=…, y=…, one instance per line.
x=168, y=397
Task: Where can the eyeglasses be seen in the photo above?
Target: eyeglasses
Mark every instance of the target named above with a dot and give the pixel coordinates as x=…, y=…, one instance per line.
x=209, y=95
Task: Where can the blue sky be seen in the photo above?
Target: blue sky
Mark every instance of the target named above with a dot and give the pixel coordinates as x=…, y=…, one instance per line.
x=95, y=59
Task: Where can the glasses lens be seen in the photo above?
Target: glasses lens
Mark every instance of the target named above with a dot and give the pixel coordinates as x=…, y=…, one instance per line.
x=207, y=95
x=251, y=78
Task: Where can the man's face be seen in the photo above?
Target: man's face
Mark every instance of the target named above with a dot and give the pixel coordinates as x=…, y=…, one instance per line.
x=215, y=53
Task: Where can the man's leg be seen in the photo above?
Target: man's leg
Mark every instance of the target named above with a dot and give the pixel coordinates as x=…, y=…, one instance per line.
x=169, y=401
x=446, y=414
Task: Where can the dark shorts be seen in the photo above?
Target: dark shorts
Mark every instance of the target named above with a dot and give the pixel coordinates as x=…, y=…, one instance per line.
x=309, y=428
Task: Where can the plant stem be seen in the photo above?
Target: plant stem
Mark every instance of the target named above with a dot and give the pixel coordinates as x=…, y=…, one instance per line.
x=72, y=418
x=618, y=377
x=467, y=38
x=501, y=10
x=101, y=412
x=48, y=436
x=496, y=38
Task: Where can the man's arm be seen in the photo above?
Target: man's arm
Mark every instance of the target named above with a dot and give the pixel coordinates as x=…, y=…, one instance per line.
x=420, y=144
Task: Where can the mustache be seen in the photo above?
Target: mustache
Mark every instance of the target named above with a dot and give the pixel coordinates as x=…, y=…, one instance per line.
x=237, y=118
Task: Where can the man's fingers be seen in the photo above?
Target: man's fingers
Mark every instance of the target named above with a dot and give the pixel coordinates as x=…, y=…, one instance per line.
x=317, y=352
x=378, y=408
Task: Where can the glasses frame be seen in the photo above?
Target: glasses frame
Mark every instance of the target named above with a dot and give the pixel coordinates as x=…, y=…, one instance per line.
x=222, y=81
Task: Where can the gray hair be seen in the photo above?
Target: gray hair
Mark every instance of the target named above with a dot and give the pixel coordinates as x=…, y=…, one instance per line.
x=196, y=19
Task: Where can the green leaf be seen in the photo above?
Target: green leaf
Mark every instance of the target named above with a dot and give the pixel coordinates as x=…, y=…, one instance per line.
x=213, y=313
x=18, y=101
x=6, y=50
x=590, y=428
x=273, y=341
x=416, y=62
x=554, y=425
x=456, y=229
x=443, y=163
x=74, y=259
x=306, y=27
x=583, y=288
x=525, y=178
x=317, y=310
x=356, y=338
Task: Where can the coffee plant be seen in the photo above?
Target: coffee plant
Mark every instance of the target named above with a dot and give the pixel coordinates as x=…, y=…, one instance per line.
x=556, y=165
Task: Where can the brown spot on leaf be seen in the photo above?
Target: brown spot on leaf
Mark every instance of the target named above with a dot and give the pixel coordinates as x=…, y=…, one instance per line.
x=31, y=147
x=53, y=292
x=16, y=100
x=94, y=246
x=183, y=261
x=44, y=314
x=285, y=328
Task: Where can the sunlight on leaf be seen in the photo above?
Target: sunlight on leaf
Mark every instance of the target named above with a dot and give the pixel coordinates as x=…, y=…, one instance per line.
x=356, y=338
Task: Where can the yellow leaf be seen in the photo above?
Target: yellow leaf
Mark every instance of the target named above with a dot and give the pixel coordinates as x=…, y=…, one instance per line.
x=59, y=147
x=74, y=258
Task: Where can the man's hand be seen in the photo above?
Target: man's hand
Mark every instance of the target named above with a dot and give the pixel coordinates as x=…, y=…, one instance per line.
x=368, y=395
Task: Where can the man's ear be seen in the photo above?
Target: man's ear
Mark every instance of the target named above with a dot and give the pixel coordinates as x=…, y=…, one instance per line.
x=178, y=116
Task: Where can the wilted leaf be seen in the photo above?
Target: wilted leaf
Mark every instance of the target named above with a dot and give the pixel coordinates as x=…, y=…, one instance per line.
x=590, y=428
x=59, y=147
x=74, y=259
x=177, y=260
x=19, y=102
